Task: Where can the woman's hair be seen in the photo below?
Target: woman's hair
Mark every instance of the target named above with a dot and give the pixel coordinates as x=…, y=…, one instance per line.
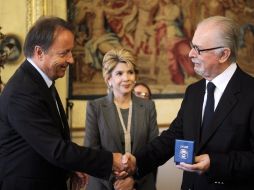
x=115, y=56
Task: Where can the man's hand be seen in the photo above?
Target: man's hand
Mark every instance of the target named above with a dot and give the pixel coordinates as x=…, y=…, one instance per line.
x=117, y=162
x=78, y=180
x=126, y=184
x=129, y=162
x=202, y=164
x=123, y=166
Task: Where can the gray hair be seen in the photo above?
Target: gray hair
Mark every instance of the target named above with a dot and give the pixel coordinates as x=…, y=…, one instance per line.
x=229, y=33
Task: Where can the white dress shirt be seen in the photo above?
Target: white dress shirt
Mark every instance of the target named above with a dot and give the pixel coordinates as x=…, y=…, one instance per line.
x=221, y=82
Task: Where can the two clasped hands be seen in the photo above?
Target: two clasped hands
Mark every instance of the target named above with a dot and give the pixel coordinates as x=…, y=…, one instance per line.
x=124, y=167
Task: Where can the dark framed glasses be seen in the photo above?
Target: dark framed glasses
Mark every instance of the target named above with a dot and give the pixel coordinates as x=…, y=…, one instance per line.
x=142, y=94
x=198, y=50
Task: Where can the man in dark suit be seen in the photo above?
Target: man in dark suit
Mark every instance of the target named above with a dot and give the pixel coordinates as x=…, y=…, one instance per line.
x=224, y=147
x=35, y=147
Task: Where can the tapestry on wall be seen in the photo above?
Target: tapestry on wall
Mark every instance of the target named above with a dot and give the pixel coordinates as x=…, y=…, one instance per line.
x=158, y=33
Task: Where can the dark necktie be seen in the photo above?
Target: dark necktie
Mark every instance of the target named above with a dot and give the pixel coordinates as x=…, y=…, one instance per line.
x=54, y=94
x=60, y=110
x=209, y=107
x=53, y=90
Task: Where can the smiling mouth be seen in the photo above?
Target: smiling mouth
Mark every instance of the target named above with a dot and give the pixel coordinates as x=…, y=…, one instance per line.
x=127, y=86
x=64, y=67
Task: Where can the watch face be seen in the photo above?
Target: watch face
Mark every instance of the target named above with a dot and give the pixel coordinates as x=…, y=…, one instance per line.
x=10, y=48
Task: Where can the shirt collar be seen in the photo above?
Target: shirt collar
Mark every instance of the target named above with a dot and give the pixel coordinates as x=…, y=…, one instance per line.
x=44, y=76
x=222, y=79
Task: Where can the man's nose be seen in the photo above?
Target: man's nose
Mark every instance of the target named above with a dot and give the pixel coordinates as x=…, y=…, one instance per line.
x=192, y=53
x=70, y=58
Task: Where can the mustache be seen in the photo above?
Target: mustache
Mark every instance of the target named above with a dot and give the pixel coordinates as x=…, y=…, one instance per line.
x=194, y=60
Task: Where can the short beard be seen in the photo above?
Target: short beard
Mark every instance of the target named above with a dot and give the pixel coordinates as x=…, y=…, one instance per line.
x=199, y=72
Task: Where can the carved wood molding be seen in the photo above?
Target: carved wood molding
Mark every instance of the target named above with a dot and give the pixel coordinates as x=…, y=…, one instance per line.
x=37, y=8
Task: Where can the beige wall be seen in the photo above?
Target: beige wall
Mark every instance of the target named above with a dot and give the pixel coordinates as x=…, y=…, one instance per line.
x=12, y=22
x=17, y=15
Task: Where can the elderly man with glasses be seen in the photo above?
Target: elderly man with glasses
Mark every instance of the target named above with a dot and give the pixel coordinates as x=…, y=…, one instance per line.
x=217, y=113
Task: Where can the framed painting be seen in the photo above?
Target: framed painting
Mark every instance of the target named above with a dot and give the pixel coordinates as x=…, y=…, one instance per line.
x=158, y=33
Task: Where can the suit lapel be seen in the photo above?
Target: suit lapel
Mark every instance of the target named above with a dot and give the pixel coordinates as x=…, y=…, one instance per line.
x=62, y=117
x=58, y=116
x=137, y=123
x=110, y=118
x=226, y=104
x=35, y=75
x=198, y=104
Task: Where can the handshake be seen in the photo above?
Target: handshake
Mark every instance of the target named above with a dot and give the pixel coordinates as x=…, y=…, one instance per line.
x=124, y=166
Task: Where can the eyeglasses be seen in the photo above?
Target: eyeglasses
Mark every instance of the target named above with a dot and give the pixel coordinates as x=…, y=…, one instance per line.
x=196, y=48
x=142, y=94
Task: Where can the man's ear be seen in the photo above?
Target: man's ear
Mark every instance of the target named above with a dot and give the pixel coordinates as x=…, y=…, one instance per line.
x=224, y=56
x=38, y=52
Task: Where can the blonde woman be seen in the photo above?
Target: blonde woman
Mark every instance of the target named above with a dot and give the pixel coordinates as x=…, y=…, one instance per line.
x=120, y=121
